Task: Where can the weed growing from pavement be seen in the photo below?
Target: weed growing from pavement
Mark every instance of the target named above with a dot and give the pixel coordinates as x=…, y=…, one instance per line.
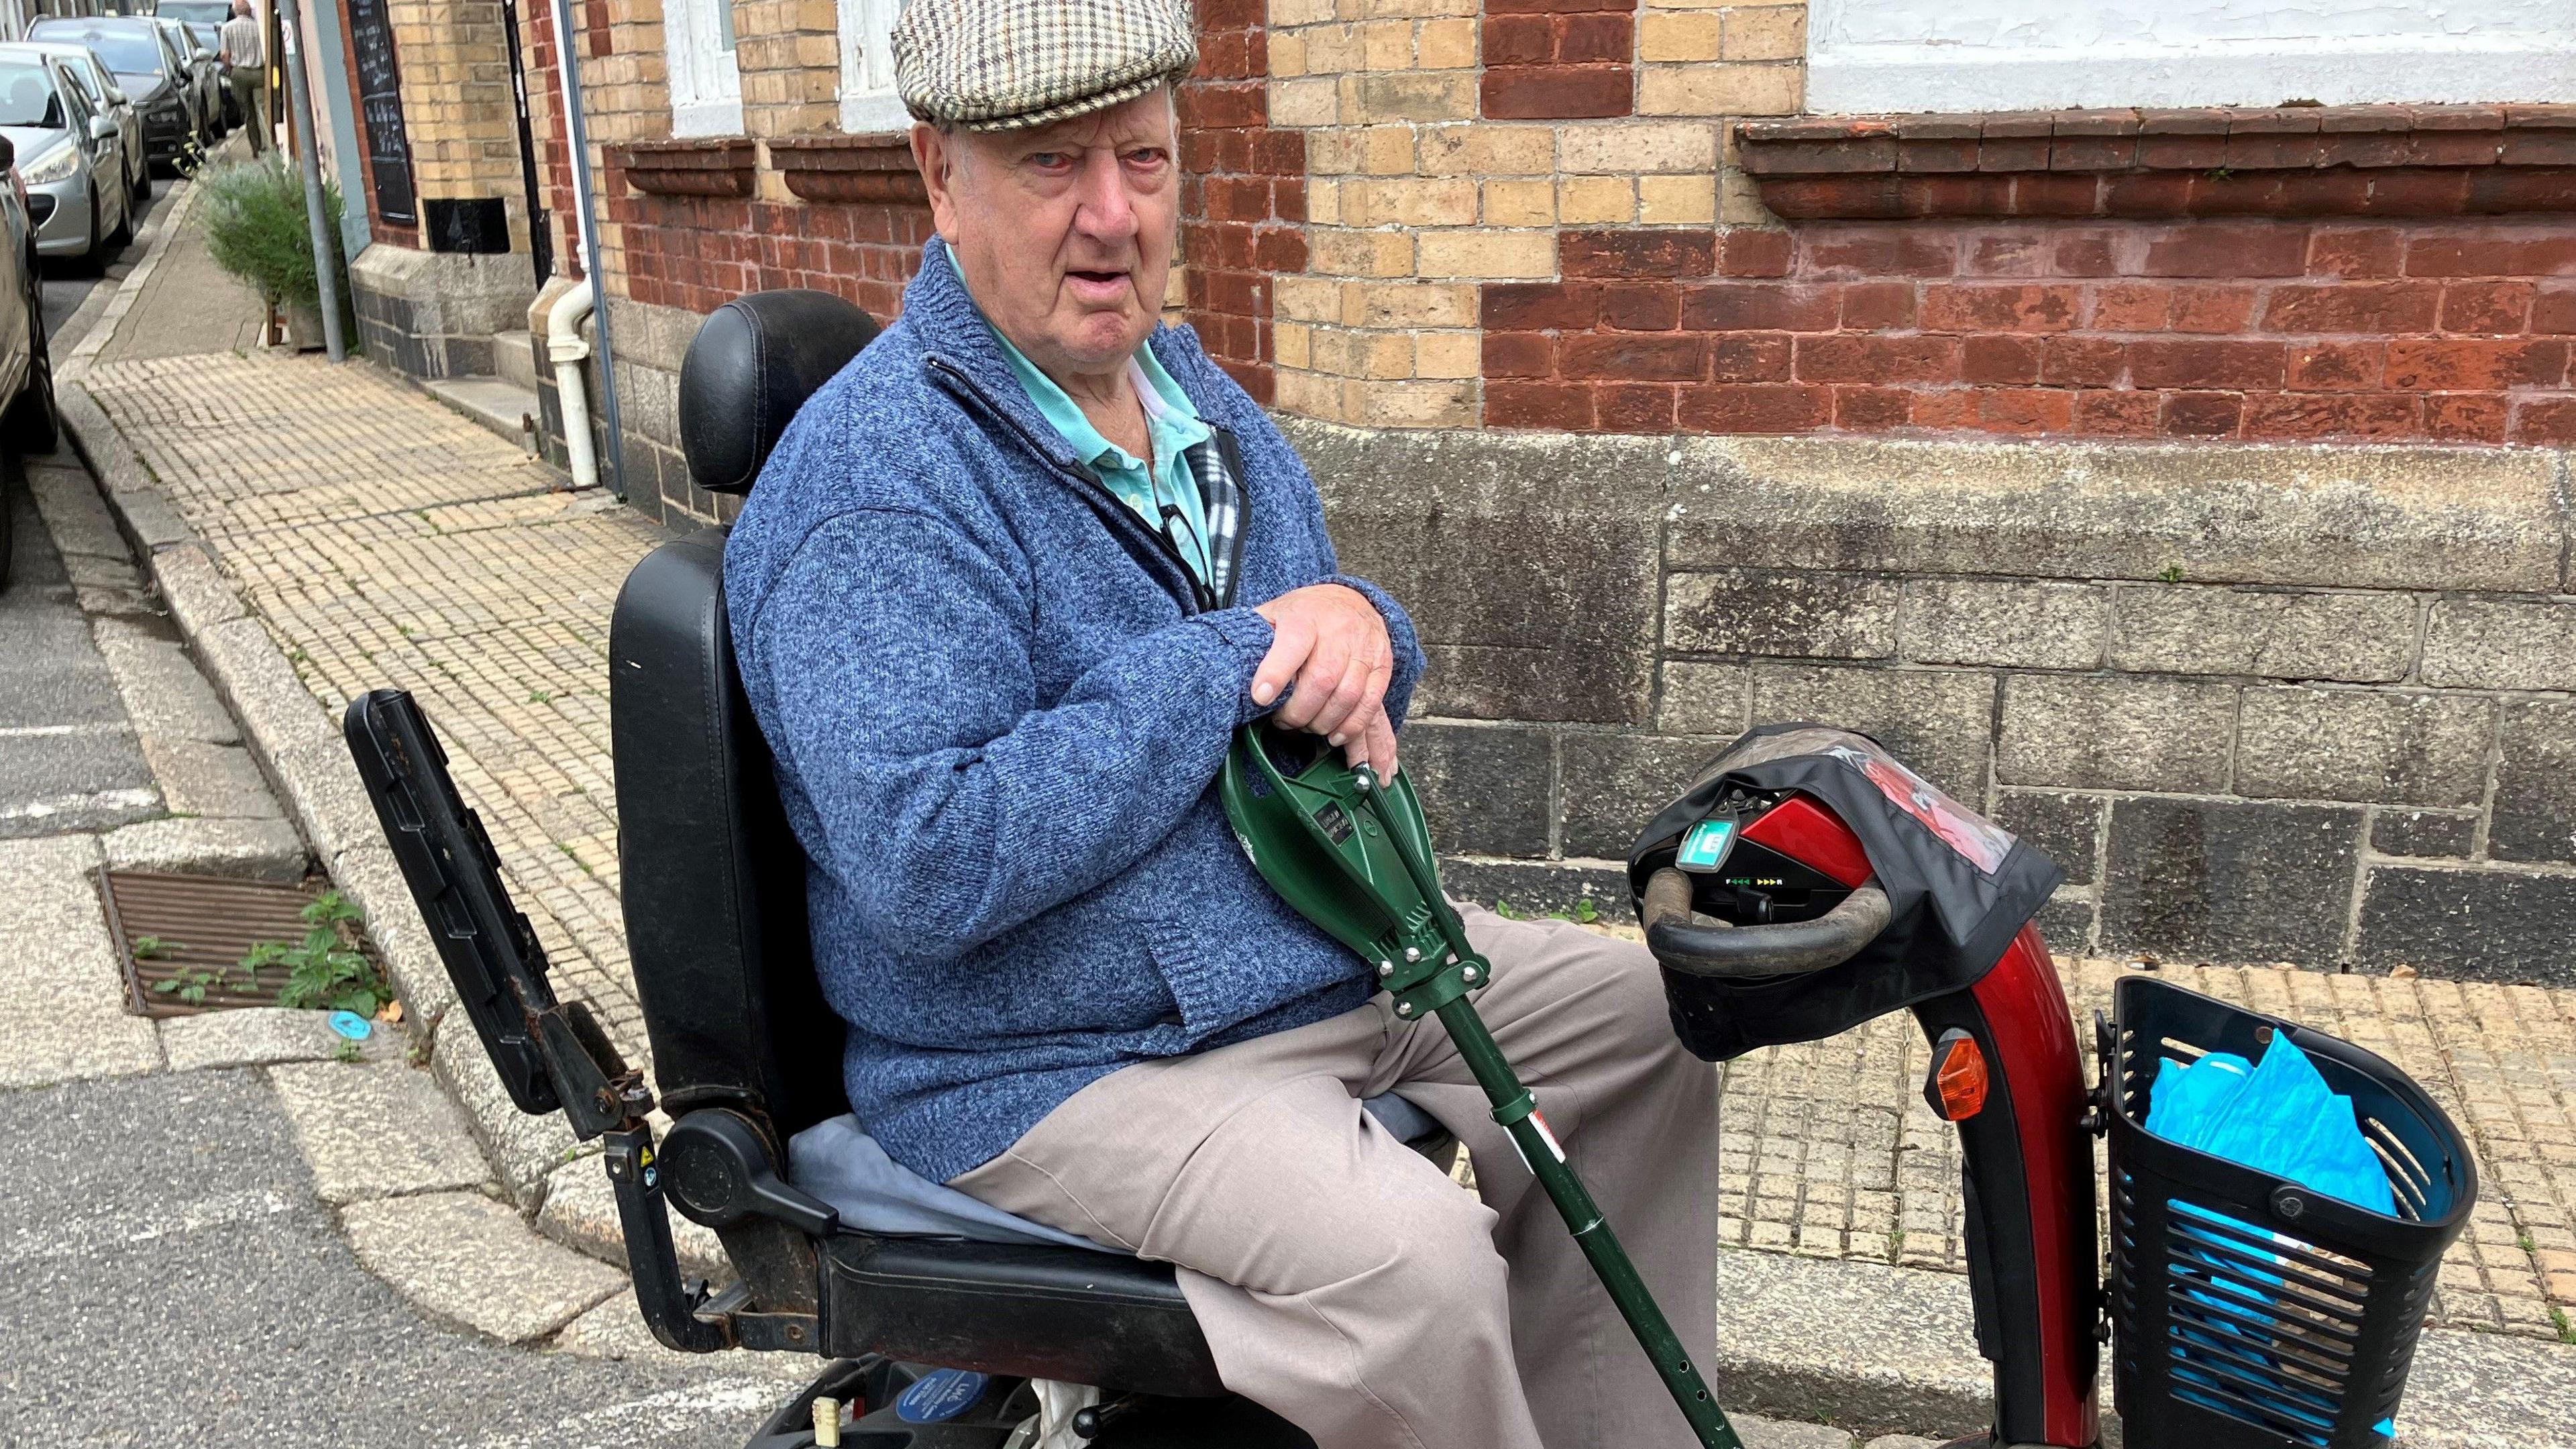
x=190, y=984
x=1583, y=912
x=346, y=1052
x=153, y=948
x=325, y=969
x=2566, y=1330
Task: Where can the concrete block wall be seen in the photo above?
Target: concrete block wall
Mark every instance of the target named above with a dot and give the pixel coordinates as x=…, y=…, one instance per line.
x=2262, y=704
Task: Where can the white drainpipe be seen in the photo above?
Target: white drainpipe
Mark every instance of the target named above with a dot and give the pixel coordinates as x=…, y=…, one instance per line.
x=567, y=351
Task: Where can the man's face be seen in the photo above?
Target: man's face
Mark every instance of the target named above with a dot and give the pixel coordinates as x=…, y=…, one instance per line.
x=1064, y=233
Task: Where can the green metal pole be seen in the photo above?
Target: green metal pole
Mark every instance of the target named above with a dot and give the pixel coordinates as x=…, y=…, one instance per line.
x=1517, y=1111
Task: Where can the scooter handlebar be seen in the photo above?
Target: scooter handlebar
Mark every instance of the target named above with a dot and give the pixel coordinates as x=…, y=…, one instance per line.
x=1701, y=945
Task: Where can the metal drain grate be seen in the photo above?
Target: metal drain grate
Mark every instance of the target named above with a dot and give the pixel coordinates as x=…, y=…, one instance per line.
x=203, y=924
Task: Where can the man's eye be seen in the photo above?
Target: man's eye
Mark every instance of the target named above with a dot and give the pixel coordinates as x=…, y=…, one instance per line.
x=1148, y=156
x=1050, y=160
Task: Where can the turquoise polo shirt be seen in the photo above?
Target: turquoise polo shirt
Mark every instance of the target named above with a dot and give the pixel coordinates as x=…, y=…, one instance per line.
x=1172, y=425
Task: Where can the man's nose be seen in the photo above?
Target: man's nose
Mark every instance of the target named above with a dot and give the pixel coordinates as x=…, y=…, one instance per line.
x=1106, y=212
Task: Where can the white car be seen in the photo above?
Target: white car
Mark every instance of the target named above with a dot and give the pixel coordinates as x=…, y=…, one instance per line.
x=71, y=161
x=100, y=88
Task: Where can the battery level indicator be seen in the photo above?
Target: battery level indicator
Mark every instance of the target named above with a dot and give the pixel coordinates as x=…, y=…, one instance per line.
x=1706, y=845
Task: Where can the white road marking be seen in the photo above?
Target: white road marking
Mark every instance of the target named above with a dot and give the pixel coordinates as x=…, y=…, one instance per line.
x=99, y=799
x=53, y=732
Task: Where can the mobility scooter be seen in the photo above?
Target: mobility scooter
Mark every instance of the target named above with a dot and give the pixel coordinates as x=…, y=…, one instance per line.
x=1806, y=883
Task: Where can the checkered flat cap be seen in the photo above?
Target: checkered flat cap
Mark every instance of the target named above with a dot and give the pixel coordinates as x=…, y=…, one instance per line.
x=995, y=65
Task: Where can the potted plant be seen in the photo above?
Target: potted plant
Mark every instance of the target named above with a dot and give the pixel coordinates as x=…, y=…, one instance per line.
x=256, y=229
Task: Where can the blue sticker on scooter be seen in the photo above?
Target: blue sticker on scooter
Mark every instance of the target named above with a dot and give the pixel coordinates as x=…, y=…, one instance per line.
x=1706, y=846
x=939, y=1395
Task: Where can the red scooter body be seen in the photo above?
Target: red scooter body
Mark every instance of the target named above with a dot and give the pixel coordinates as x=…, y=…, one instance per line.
x=1781, y=916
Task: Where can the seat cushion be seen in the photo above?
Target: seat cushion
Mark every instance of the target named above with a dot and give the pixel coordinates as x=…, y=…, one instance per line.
x=837, y=1161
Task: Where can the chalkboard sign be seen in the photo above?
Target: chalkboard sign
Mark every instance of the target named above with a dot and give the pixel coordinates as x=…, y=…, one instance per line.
x=371, y=37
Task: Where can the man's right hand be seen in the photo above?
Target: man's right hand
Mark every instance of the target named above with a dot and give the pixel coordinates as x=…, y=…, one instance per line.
x=1330, y=642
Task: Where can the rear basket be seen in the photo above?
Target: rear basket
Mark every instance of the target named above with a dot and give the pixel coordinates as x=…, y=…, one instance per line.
x=2252, y=1312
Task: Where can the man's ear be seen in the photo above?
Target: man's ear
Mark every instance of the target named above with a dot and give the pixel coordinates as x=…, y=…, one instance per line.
x=936, y=159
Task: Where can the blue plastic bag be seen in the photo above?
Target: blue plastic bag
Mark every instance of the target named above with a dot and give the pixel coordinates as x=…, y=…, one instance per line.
x=2279, y=1117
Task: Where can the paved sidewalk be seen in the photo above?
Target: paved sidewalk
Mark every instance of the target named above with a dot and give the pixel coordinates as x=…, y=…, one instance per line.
x=381, y=539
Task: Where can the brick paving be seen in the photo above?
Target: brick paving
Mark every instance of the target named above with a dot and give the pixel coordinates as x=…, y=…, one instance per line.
x=384, y=540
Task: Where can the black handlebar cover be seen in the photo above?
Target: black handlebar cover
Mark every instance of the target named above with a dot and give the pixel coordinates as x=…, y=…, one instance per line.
x=1698, y=945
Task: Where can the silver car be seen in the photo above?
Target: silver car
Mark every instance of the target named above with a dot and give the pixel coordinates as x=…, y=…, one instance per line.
x=102, y=92
x=71, y=160
x=205, y=71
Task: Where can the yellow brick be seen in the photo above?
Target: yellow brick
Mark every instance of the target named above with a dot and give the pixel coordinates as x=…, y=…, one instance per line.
x=1411, y=9
x=1777, y=33
x=1739, y=201
x=1448, y=354
x=1596, y=200
x=1488, y=254
x=1631, y=147
x=1486, y=150
x=1333, y=153
x=1311, y=102
x=1677, y=37
x=1721, y=90
x=1343, y=253
x=1446, y=45
x=1676, y=200
x=1285, y=13
x=1413, y=201
x=1287, y=54
x=1418, y=405
x=1289, y=343
x=1520, y=203
x=1307, y=298
x=1324, y=202
x=1387, y=45
x=1386, y=355
x=1409, y=304
x=1310, y=395
x=1386, y=150
x=1411, y=96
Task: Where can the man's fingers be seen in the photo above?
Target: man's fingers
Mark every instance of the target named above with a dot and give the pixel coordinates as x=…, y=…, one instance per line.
x=1374, y=745
x=1317, y=679
x=1292, y=639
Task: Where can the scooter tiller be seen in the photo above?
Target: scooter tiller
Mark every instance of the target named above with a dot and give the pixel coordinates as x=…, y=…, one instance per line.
x=1353, y=854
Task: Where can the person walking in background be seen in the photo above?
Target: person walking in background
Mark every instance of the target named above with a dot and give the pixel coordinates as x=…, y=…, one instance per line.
x=244, y=53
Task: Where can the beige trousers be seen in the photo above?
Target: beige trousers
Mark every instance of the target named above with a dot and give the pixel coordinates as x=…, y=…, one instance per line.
x=1343, y=1280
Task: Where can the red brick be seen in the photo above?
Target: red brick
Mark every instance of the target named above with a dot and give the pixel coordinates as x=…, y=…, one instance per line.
x=1756, y=252
x=1597, y=37
x=1878, y=306
x=2414, y=193
x=2554, y=310
x=2211, y=308
x=1879, y=252
x=1556, y=92
x=2498, y=309
x=2130, y=307
x=2465, y=417
x=1758, y=408
x=2202, y=414
x=2148, y=193
x=1769, y=306
x=1565, y=406
x=1519, y=40
x=2367, y=308
x=2505, y=190
x=2031, y=308
x=2471, y=365
x=1641, y=306
x=1554, y=7
x=1535, y=306
x=2336, y=366
x=2544, y=420
x=1954, y=195
x=1632, y=357
x=2521, y=252
x=2007, y=254
x=2085, y=254
x=2324, y=415
x=2082, y=361
x=2056, y=193
x=1881, y=196
x=2226, y=249
x=1999, y=359
x=1519, y=354
x=1637, y=253
x=2025, y=410
x=1848, y=357
x=1949, y=408
x=1636, y=407
x=2117, y=414
x=1279, y=249
x=1872, y=409
x=1749, y=357
x=2202, y=364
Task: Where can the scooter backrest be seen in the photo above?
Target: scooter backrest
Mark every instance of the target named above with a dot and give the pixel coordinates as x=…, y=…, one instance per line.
x=754, y=362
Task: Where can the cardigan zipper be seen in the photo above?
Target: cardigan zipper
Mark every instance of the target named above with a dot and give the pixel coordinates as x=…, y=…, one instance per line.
x=1193, y=596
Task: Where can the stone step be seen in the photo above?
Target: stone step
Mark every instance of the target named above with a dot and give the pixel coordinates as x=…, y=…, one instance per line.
x=494, y=402
x=515, y=358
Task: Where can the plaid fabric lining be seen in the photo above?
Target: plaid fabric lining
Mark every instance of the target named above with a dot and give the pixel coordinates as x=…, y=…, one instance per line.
x=1221, y=496
x=993, y=65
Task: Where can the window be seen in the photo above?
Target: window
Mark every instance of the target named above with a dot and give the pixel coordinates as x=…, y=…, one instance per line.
x=706, y=85
x=868, y=99
x=1995, y=55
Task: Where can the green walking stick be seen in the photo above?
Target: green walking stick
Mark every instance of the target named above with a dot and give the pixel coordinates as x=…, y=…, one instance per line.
x=1353, y=854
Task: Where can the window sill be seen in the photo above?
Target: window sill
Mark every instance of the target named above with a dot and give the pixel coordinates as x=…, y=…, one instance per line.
x=867, y=168
x=713, y=166
x=2287, y=161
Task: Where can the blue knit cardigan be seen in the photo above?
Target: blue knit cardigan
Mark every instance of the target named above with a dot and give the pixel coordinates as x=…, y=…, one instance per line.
x=998, y=715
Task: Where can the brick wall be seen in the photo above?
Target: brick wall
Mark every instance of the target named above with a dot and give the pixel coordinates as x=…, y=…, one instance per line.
x=2454, y=330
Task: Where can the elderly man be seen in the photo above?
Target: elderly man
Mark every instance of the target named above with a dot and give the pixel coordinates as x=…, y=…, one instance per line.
x=244, y=53
x=1001, y=598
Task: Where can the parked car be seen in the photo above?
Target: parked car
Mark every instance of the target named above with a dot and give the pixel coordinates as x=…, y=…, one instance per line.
x=71, y=161
x=205, y=21
x=26, y=369
x=101, y=90
x=206, y=70
x=146, y=68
